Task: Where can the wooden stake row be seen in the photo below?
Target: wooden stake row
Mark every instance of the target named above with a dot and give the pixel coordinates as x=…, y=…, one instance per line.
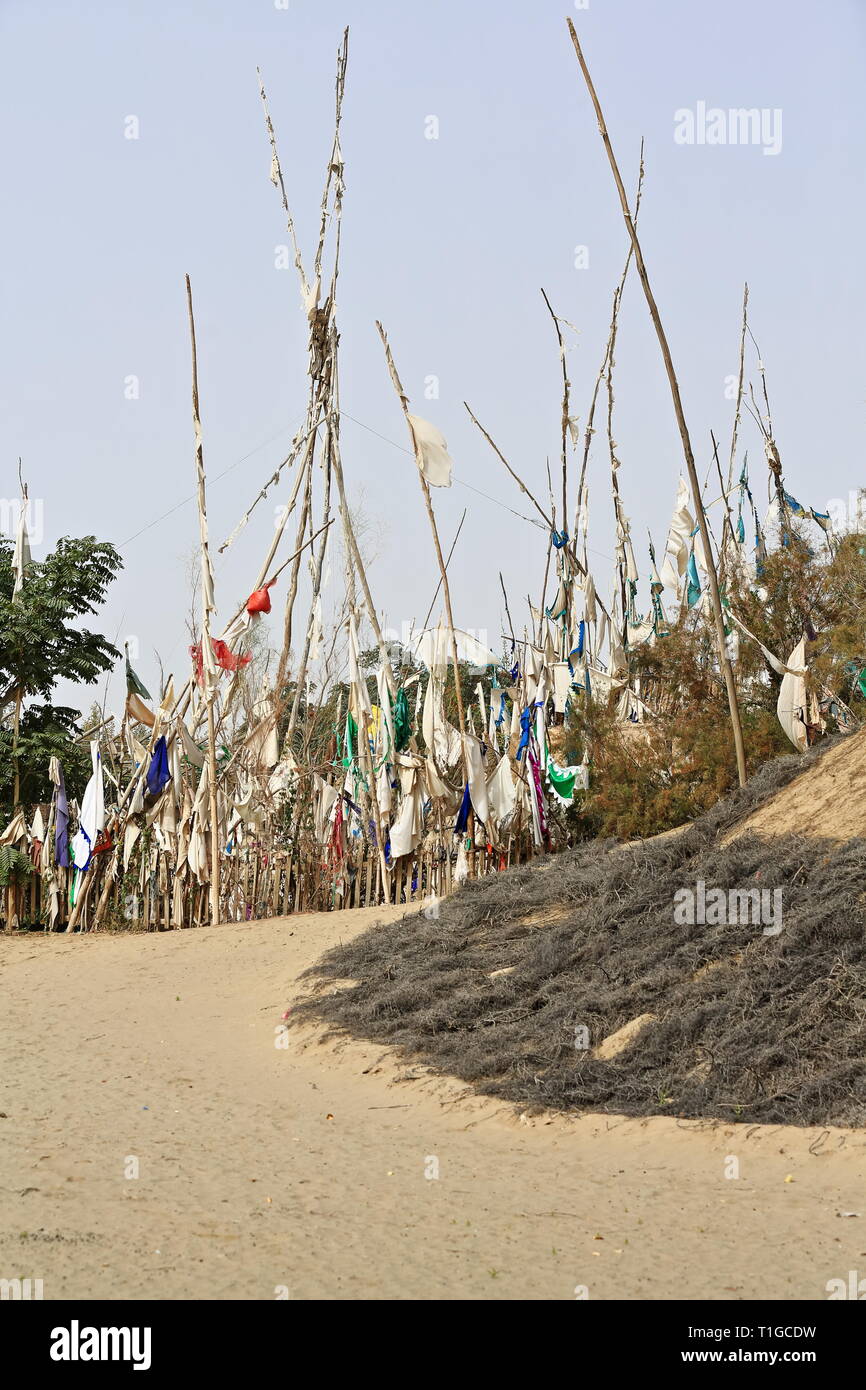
x=255, y=885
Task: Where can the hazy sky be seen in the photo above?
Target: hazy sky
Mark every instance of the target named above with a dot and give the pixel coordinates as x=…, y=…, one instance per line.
x=447, y=240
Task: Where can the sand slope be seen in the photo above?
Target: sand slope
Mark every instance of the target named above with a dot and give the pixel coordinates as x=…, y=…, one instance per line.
x=828, y=799
x=305, y=1167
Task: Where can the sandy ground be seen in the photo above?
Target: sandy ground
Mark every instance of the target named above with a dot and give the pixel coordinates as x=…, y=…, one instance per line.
x=828, y=800
x=305, y=1168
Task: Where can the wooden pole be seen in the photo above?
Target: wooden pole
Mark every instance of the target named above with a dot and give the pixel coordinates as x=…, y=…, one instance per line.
x=301, y=674
x=565, y=423
x=736, y=427
x=354, y=557
x=19, y=693
x=733, y=455
x=447, y=563
x=306, y=513
x=207, y=608
x=588, y=433
x=519, y=481
x=367, y=758
x=16, y=726
x=425, y=489
x=724, y=661
x=730, y=528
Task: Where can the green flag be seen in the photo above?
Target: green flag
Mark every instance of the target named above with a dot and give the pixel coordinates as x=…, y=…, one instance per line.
x=402, y=723
x=133, y=685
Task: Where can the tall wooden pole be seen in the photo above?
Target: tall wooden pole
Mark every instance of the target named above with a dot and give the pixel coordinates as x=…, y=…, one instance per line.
x=425, y=489
x=16, y=730
x=11, y=892
x=19, y=693
x=354, y=556
x=724, y=660
x=733, y=457
x=730, y=527
x=207, y=607
x=447, y=563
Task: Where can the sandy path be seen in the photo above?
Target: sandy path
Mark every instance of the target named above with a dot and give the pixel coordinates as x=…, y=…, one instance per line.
x=305, y=1167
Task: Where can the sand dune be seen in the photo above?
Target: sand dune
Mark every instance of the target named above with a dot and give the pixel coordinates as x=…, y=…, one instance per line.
x=305, y=1168
x=827, y=799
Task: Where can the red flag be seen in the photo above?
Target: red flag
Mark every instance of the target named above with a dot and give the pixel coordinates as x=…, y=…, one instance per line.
x=224, y=658
x=259, y=600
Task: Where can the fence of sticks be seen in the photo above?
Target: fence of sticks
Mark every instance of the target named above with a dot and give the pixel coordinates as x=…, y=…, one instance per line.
x=257, y=881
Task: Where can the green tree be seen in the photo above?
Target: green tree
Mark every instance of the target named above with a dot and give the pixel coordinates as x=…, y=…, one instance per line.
x=676, y=764
x=43, y=641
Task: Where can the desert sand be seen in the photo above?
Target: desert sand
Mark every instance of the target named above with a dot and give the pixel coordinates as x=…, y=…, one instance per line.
x=826, y=800
x=307, y=1171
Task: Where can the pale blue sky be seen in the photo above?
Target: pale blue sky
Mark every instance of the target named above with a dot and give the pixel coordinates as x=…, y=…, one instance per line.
x=447, y=241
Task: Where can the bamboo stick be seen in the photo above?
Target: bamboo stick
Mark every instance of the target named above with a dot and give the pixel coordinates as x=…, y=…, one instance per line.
x=301, y=675
x=207, y=608
x=729, y=531
x=16, y=727
x=566, y=411
x=735, y=431
x=447, y=563
x=425, y=489
x=679, y=412
x=519, y=481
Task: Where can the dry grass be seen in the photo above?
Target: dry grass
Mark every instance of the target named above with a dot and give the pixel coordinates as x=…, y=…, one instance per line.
x=772, y=1032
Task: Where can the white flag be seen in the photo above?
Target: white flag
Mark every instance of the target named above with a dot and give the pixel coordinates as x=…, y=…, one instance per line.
x=432, y=452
